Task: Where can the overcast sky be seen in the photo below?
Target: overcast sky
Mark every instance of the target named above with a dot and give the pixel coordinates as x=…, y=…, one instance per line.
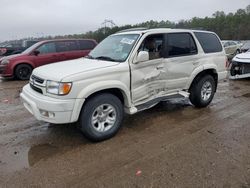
x=24, y=18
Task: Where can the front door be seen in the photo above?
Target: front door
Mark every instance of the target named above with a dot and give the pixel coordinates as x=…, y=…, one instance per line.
x=148, y=77
x=47, y=54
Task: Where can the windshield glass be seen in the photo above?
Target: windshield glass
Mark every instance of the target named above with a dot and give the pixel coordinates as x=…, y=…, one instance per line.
x=114, y=48
x=30, y=49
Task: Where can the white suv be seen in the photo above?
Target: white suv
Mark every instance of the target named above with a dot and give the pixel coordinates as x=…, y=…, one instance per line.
x=129, y=71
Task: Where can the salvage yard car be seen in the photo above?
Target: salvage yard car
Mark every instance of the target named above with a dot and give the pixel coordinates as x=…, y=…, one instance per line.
x=129, y=71
x=232, y=48
x=21, y=65
x=240, y=67
x=11, y=49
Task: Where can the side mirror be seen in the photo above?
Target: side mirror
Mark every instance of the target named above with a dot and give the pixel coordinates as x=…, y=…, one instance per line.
x=36, y=53
x=142, y=56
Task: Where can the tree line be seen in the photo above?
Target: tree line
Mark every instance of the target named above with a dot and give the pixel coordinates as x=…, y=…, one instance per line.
x=232, y=26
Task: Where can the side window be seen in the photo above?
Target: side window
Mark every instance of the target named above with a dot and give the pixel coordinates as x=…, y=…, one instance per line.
x=232, y=43
x=86, y=44
x=66, y=46
x=47, y=48
x=180, y=44
x=153, y=44
x=226, y=44
x=209, y=42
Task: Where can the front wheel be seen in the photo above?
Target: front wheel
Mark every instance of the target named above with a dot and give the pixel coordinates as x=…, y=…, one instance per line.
x=101, y=117
x=202, y=91
x=23, y=72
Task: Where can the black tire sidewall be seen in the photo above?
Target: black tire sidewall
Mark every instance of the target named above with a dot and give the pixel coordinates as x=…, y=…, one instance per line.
x=87, y=111
x=22, y=66
x=195, y=95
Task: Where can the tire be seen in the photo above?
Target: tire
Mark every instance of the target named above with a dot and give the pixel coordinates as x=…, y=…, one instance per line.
x=202, y=91
x=102, y=111
x=23, y=72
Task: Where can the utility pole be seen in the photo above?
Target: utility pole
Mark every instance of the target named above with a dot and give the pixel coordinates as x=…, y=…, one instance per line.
x=108, y=23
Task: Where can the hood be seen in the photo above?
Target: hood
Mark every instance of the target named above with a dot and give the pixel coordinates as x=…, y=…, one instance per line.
x=10, y=56
x=244, y=57
x=60, y=70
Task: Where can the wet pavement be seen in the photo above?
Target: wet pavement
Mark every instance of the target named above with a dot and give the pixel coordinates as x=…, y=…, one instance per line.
x=170, y=145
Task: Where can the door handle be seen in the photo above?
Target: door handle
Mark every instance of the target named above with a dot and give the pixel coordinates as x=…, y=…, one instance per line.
x=159, y=67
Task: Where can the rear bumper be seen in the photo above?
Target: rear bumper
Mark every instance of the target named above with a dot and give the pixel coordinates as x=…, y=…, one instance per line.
x=46, y=108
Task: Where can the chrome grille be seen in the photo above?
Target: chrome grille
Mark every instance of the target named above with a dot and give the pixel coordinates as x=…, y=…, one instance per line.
x=37, y=79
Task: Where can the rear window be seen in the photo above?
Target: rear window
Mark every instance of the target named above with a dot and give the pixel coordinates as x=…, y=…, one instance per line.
x=86, y=44
x=209, y=42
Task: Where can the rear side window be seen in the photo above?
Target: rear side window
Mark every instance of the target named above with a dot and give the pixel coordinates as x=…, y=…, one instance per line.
x=209, y=42
x=66, y=46
x=86, y=44
x=180, y=44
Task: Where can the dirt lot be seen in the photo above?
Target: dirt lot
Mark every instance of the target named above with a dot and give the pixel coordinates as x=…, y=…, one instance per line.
x=171, y=145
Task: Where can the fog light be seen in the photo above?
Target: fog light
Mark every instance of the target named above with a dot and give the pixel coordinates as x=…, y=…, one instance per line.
x=47, y=114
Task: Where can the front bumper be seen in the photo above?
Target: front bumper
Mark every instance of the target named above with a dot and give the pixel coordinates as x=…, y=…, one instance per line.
x=2, y=69
x=48, y=109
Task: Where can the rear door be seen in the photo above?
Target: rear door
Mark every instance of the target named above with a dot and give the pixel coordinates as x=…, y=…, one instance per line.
x=86, y=46
x=181, y=58
x=67, y=50
x=47, y=54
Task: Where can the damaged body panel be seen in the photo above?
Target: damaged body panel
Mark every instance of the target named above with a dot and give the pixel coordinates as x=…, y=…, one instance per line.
x=240, y=67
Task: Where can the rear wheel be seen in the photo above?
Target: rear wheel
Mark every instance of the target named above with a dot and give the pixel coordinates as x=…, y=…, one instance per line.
x=202, y=91
x=23, y=71
x=101, y=117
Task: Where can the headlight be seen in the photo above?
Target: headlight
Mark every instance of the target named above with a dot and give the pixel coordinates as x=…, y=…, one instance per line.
x=5, y=62
x=58, y=88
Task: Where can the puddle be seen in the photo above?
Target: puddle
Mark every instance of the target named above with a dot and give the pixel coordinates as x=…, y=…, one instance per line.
x=247, y=95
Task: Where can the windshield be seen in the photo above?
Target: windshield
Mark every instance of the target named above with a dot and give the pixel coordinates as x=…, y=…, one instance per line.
x=30, y=49
x=114, y=48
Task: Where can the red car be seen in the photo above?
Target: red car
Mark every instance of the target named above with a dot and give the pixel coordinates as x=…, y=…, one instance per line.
x=21, y=65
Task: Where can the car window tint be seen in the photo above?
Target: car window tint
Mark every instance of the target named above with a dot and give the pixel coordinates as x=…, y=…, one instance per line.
x=180, y=44
x=153, y=44
x=65, y=46
x=47, y=48
x=86, y=44
x=210, y=43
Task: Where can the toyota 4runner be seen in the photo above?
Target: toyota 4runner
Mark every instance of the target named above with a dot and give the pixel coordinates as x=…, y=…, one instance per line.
x=129, y=71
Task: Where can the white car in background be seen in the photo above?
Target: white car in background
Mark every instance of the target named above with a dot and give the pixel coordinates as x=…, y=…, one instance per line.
x=232, y=48
x=240, y=66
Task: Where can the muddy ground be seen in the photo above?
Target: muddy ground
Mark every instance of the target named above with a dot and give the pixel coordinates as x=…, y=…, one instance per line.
x=170, y=145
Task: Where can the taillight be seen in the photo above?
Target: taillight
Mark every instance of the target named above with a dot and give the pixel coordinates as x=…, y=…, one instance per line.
x=3, y=51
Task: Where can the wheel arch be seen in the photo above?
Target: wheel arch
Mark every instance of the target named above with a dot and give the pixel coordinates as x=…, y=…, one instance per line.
x=209, y=71
x=117, y=89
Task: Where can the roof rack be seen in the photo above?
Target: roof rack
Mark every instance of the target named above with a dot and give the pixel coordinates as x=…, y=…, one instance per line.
x=133, y=29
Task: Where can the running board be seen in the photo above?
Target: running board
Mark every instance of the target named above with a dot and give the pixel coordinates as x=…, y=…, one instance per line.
x=152, y=103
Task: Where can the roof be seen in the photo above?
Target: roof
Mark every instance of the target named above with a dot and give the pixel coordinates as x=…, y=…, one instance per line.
x=156, y=30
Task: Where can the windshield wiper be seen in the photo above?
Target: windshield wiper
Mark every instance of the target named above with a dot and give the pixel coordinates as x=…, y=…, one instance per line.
x=105, y=58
